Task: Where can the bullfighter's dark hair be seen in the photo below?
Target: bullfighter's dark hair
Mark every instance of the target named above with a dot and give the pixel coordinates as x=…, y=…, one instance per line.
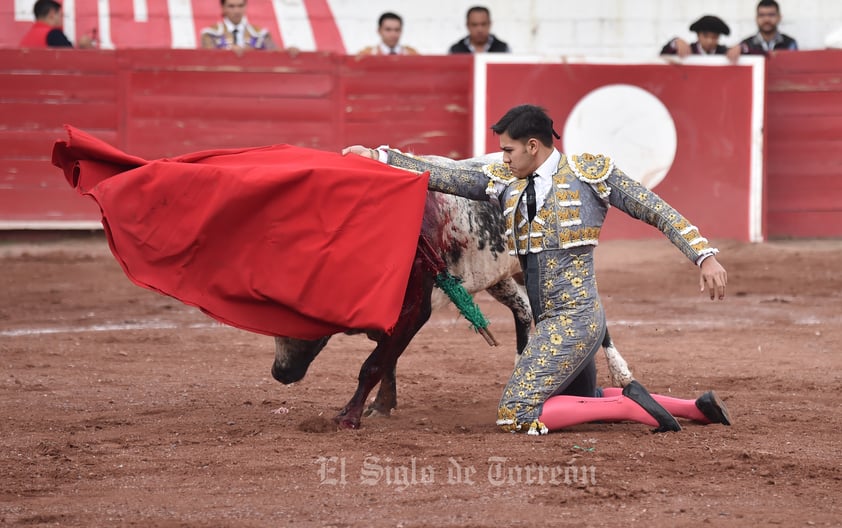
x=524, y=122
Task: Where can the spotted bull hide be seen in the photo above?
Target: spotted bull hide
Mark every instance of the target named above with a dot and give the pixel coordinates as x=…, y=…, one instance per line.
x=468, y=236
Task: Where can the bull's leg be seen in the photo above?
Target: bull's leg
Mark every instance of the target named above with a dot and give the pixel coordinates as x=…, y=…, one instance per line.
x=415, y=312
x=387, y=394
x=509, y=293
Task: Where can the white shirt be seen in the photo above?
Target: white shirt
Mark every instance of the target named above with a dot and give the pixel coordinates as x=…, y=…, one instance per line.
x=241, y=29
x=386, y=50
x=544, y=180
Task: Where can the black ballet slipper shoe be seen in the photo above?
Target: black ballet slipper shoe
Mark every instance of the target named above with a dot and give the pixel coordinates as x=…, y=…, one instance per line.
x=638, y=394
x=713, y=408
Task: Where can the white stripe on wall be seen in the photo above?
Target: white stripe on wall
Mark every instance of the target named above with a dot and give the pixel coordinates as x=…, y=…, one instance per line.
x=294, y=24
x=23, y=10
x=68, y=10
x=181, y=24
x=103, y=25
x=755, y=197
x=141, y=11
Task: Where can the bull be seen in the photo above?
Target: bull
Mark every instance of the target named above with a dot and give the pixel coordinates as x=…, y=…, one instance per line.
x=469, y=237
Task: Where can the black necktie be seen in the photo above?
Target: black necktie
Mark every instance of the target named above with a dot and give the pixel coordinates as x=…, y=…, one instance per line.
x=392, y=51
x=531, y=203
x=234, y=33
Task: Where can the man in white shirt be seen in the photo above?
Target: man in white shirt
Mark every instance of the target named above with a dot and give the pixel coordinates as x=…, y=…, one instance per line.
x=389, y=27
x=235, y=32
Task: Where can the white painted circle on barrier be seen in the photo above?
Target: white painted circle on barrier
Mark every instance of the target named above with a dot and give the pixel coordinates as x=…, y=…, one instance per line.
x=627, y=124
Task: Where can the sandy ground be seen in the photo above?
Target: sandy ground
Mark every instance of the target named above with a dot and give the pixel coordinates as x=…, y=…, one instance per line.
x=123, y=407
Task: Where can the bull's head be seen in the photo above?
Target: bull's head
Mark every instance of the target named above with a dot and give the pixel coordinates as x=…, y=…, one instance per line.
x=293, y=357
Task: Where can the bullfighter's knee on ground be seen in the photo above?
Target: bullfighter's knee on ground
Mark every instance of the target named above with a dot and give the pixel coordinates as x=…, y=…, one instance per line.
x=632, y=403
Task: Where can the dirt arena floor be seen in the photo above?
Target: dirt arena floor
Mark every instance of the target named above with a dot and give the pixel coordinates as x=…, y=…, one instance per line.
x=123, y=407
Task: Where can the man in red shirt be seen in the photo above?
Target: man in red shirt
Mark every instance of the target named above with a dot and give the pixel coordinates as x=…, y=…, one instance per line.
x=46, y=32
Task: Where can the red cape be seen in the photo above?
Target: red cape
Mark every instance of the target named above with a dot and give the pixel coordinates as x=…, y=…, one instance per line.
x=279, y=240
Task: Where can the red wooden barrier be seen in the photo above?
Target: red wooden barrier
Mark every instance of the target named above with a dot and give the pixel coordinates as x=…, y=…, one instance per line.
x=159, y=103
x=709, y=105
x=39, y=91
x=804, y=144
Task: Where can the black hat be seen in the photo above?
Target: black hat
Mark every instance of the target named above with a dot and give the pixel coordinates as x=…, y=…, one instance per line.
x=712, y=24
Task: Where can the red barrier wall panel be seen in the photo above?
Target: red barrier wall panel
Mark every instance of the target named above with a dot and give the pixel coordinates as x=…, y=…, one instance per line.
x=40, y=91
x=233, y=109
x=164, y=102
x=160, y=103
x=214, y=99
x=417, y=104
x=46, y=86
x=804, y=149
x=710, y=107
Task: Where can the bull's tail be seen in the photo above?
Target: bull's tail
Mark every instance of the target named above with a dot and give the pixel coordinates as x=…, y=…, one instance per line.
x=618, y=369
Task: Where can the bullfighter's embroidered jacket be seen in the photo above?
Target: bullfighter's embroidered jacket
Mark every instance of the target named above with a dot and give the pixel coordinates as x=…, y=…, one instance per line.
x=558, y=246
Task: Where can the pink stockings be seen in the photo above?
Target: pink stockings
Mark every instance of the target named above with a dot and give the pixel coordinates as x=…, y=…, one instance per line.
x=676, y=406
x=563, y=411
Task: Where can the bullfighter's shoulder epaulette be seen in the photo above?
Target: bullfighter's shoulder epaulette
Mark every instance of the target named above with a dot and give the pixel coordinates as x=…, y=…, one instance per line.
x=591, y=168
x=498, y=172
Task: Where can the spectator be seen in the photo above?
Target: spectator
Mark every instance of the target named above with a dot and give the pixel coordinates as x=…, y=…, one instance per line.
x=767, y=38
x=389, y=27
x=235, y=32
x=46, y=31
x=479, y=39
x=707, y=29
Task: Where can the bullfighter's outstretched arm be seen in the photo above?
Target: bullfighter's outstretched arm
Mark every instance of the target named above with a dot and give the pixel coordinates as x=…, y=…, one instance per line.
x=629, y=196
x=446, y=175
x=462, y=178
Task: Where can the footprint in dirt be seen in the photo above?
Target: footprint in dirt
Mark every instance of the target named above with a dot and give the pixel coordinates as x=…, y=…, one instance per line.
x=317, y=424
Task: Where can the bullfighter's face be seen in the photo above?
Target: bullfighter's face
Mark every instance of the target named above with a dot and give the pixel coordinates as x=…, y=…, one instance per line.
x=519, y=155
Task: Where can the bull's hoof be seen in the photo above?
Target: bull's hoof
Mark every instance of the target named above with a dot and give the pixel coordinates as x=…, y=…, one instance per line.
x=346, y=422
x=377, y=411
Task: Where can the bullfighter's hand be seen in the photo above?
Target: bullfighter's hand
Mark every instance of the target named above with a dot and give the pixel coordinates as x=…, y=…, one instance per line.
x=713, y=277
x=359, y=150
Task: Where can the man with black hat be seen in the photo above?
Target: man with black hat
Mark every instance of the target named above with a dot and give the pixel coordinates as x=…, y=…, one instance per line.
x=708, y=28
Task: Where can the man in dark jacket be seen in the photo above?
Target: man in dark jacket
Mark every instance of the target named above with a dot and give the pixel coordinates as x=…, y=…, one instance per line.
x=767, y=38
x=479, y=37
